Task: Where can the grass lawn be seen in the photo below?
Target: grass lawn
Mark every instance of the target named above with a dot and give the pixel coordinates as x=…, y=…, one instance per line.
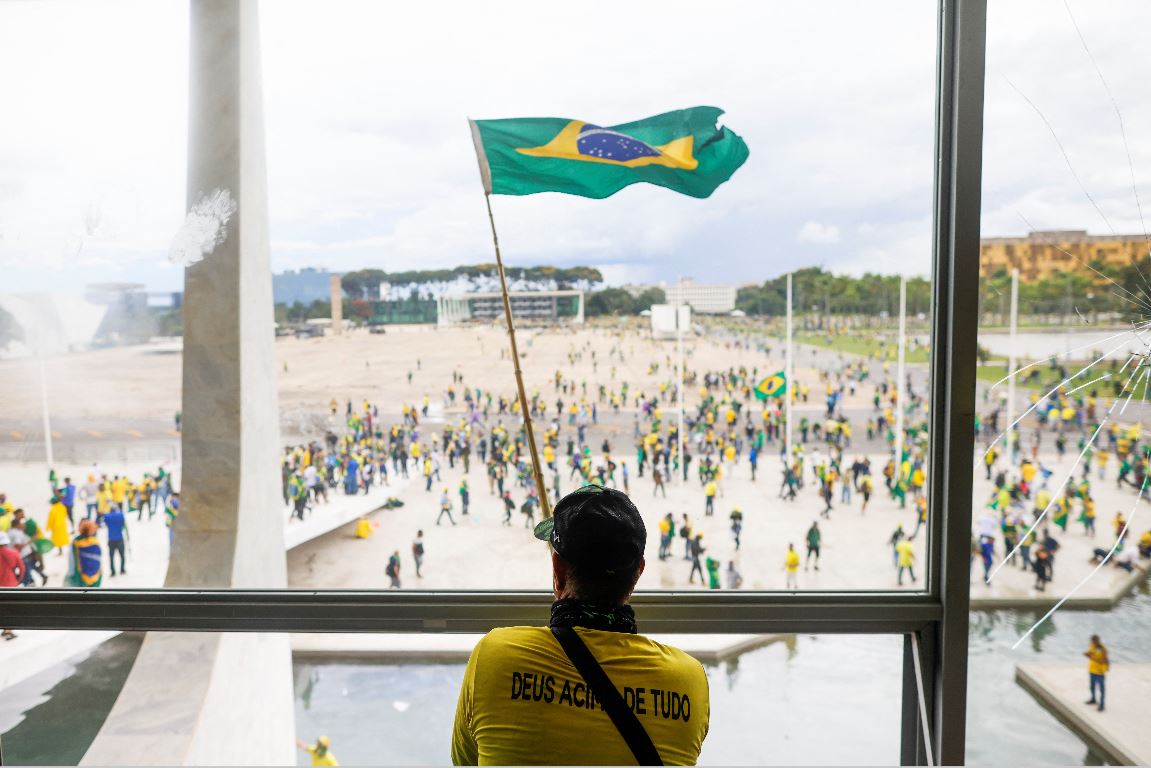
x=868, y=346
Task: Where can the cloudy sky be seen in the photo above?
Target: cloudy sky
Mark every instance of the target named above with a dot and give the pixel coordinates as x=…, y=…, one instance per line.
x=370, y=162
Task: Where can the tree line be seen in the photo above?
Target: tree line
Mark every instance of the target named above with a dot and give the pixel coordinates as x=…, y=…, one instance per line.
x=815, y=290
x=1076, y=294
x=365, y=283
x=10, y=330
x=1073, y=295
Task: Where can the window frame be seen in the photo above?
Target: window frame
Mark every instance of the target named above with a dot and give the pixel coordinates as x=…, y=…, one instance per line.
x=938, y=615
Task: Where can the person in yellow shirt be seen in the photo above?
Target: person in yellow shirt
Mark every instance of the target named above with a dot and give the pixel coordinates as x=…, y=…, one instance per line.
x=58, y=525
x=791, y=566
x=709, y=498
x=1102, y=456
x=905, y=552
x=119, y=492
x=104, y=502
x=1097, y=665
x=565, y=678
x=320, y=751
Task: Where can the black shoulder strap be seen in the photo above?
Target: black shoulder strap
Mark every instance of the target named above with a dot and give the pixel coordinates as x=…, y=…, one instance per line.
x=597, y=680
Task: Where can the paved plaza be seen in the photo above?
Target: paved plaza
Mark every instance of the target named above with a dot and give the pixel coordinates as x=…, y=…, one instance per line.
x=136, y=389
x=482, y=553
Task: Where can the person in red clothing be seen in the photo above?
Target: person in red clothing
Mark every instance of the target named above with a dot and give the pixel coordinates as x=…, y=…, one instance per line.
x=11, y=572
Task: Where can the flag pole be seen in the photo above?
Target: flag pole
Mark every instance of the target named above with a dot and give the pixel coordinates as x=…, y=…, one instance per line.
x=789, y=383
x=899, y=377
x=537, y=470
x=679, y=437
x=1011, y=366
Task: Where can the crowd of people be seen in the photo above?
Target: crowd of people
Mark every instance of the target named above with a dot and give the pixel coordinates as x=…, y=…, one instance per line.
x=833, y=464
x=1031, y=505
x=88, y=522
x=727, y=431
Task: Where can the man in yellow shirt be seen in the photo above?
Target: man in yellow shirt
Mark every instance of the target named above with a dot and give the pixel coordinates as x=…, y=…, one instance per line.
x=120, y=492
x=587, y=689
x=709, y=498
x=320, y=751
x=791, y=565
x=905, y=552
x=1097, y=665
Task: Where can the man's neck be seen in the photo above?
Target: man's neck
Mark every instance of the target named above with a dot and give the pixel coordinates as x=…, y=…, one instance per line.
x=572, y=611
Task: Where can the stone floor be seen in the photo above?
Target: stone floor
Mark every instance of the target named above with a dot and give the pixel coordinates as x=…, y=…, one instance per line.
x=481, y=553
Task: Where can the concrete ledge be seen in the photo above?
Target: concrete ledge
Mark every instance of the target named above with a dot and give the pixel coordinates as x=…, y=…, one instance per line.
x=341, y=510
x=1121, y=585
x=38, y=650
x=1120, y=733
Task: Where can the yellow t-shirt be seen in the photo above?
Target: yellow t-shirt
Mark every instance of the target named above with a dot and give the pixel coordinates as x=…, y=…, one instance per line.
x=523, y=702
x=906, y=553
x=792, y=560
x=1097, y=661
x=325, y=759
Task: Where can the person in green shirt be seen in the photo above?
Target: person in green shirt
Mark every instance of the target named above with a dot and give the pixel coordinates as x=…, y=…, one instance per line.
x=712, y=573
x=814, y=539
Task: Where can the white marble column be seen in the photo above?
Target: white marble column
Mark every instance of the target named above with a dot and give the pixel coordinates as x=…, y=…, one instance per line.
x=195, y=698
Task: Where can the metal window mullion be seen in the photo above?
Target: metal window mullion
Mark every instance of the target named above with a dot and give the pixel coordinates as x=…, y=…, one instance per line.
x=910, y=732
x=959, y=146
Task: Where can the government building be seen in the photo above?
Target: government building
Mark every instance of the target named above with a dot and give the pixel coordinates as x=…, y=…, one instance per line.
x=1043, y=253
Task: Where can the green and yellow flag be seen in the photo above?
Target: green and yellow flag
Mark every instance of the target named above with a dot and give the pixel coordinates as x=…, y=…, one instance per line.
x=686, y=151
x=773, y=386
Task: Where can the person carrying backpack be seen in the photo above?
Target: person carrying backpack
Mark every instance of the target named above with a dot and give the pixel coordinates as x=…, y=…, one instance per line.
x=393, y=570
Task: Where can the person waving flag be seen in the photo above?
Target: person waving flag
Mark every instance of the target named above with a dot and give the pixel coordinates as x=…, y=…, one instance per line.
x=686, y=151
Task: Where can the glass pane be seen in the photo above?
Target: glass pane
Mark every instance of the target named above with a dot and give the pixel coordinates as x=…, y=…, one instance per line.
x=371, y=182
x=1009, y=715
x=1061, y=453
x=90, y=307
x=390, y=699
x=606, y=387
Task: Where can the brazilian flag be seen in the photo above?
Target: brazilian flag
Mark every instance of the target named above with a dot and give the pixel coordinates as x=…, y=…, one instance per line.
x=686, y=151
x=773, y=386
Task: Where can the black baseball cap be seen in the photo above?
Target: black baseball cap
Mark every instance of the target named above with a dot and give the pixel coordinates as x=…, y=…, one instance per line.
x=597, y=528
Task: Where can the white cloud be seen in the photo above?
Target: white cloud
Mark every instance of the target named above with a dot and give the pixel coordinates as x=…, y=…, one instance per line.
x=815, y=232
x=370, y=162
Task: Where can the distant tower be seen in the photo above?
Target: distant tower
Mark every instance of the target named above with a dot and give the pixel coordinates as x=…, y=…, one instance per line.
x=337, y=306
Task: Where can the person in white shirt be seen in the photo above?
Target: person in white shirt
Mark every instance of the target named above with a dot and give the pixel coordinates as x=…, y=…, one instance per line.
x=988, y=524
